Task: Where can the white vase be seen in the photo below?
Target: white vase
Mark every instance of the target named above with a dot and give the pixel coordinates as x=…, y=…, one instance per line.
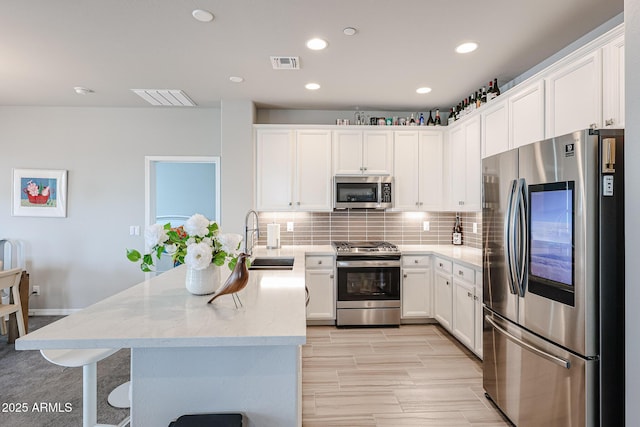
x=203, y=282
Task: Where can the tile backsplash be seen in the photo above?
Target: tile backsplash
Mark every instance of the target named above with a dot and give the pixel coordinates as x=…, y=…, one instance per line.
x=321, y=228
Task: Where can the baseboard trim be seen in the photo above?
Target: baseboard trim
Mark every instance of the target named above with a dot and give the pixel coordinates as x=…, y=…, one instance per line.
x=52, y=311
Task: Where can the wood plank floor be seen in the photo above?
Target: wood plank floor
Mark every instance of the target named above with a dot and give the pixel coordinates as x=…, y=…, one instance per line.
x=415, y=375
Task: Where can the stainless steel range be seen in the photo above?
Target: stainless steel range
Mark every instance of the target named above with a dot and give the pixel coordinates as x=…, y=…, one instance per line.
x=368, y=283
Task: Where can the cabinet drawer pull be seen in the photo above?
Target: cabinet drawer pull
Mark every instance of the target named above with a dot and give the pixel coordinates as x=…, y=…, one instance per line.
x=469, y=294
x=331, y=276
x=298, y=203
x=290, y=204
x=609, y=122
x=447, y=283
x=460, y=272
x=441, y=265
x=404, y=275
x=320, y=262
x=416, y=261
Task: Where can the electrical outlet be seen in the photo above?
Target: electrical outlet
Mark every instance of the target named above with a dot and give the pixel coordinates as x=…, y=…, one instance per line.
x=36, y=290
x=425, y=226
x=289, y=225
x=475, y=227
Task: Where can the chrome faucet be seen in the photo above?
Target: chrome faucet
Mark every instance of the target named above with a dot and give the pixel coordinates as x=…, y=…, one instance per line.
x=255, y=232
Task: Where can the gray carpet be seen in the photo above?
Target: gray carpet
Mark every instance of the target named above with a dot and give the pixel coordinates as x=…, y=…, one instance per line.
x=51, y=394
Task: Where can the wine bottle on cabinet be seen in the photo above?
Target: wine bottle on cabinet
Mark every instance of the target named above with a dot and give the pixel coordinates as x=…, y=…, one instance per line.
x=421, y=120
x=484, y=94
x=456, y=235
x=490, y=94
x=438, y=120
x=452, y=117
x=430, y=121
x=496, y=89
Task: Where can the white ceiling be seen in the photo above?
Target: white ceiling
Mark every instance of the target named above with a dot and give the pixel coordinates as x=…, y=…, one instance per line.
x=111, y=46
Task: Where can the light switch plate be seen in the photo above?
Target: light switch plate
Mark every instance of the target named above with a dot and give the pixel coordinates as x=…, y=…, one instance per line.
x=425, y=226
x=475, y=227
x=289, y=225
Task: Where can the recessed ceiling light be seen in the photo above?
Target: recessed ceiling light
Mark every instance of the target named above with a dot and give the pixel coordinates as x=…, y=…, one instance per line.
x=202, y=15
x=312, y=86
x=236, y=79
x=82, y=90
x=467, y=47
x=423, y=90
x=316, y=44
x=349, y=31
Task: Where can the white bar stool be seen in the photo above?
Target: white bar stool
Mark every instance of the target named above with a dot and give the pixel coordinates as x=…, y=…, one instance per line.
x=88, y=359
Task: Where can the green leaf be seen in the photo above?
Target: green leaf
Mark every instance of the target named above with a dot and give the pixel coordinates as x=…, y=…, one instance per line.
x=147, y=259
x=144, y=267
x=232, y=263
x=133, y=255
x=167, y=226
x=159, y=251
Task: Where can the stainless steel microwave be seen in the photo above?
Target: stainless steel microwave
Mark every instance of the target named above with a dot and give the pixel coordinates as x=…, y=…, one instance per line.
x=363, y=192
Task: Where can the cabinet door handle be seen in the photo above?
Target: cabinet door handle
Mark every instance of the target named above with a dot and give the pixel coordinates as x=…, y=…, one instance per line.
x=469, y=294
x=460, y=272
x=320, y=262
x=361, y=168
x=421, y=203
x=290, y=204
x=609, y=122
x=447, y=283
x=404, y=275
x=593, y=126
x=441, y=265
x=298, y=203
x=331, y=276
x=416, y=261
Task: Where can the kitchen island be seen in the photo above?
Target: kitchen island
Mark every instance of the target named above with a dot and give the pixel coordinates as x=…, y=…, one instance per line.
x=188, y=356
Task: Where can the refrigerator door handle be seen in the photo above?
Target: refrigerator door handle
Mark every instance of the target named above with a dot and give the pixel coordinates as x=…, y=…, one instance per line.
x=509, y=224
x=522, y=251
x=550, y=357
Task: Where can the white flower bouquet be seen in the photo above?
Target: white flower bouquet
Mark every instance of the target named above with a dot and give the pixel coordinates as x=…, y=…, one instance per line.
x=197, y=244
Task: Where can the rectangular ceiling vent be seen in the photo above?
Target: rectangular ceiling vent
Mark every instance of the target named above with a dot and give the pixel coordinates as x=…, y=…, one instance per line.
x=285, y=62
x=165, y=97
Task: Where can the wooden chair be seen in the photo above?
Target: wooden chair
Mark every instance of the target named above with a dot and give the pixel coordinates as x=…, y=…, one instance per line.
x=10, y=279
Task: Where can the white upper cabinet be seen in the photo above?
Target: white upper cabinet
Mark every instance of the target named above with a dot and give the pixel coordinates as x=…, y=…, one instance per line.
x=358, y=152
x=293, y=170
x=418, y=170
x=495, y=130
x=613, y=84
x=275, y=169
x=574, y=96
x=526, y=115
x=466, y=166
x=313, y=170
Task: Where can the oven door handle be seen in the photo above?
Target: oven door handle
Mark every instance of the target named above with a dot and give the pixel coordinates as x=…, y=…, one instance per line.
x=372, y=263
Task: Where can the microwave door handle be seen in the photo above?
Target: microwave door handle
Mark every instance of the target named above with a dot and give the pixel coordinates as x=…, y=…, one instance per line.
x=535, y=350
x=524, y=235
x=508, y=237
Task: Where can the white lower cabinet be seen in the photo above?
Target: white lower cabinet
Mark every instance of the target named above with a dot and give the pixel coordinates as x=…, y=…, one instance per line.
x=443, y=294
x=416, y=288
x=320, y=283
x=463, y=319
x=477, y=348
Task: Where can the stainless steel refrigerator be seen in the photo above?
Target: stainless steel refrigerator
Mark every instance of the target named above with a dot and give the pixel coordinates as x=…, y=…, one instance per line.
x=553, y=267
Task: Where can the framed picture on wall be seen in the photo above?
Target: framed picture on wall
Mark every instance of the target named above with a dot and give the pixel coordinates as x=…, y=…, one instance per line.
x=39, y=192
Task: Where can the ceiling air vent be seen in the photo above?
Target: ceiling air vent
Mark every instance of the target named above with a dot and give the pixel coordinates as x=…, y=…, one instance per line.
x=165, y=97
x=285, y=62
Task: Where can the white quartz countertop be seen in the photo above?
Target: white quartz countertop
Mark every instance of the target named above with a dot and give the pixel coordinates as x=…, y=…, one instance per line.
x=161, y=313
x=460, y=254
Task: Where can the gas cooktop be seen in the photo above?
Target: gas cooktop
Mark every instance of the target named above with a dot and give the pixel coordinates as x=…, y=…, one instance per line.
x=365, y=247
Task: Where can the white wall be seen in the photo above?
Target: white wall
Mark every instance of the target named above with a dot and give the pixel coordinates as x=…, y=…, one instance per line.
x=236, y=163
x=632, y=209
x=80, y=259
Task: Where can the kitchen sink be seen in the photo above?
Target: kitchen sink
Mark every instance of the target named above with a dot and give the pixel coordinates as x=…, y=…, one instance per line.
x=272, y=263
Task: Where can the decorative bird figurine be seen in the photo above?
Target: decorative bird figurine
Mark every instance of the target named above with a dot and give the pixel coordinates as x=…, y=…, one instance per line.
x=236, y=281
